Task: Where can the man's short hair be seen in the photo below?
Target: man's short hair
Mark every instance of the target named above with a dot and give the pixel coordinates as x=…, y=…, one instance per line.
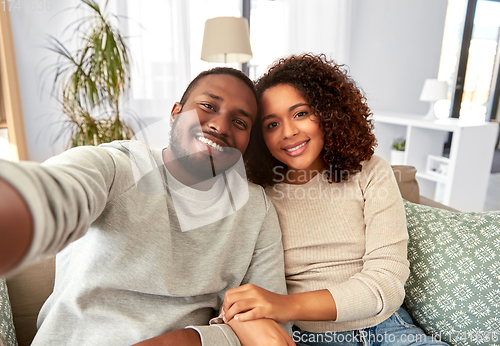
x=218, y=70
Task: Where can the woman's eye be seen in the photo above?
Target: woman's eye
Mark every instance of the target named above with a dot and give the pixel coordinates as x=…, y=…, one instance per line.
x=300, y=114
x=272, y=125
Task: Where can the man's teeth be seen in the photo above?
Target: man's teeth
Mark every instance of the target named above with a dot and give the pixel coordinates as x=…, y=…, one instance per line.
x=210, y=143
x=297, y=147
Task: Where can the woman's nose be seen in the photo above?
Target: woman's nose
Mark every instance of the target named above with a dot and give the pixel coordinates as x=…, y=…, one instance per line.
x=289, y=129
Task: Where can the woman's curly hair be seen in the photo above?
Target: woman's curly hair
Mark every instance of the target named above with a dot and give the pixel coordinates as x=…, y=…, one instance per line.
x=338, y=103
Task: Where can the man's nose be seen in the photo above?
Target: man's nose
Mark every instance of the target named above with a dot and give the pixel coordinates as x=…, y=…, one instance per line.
x=219, y=123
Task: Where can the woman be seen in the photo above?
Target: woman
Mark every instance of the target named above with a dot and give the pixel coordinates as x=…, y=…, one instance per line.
x=341, y=213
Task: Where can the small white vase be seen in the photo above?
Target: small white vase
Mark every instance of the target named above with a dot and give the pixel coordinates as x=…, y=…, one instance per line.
x=397, y=157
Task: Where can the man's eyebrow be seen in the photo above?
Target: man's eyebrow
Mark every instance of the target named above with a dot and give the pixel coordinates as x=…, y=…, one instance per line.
x=245, y=114
x=215, y=97
x=218, y=98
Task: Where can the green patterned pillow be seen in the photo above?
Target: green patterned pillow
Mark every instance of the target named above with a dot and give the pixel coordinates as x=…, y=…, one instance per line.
x=454, y=287
x=7, y=333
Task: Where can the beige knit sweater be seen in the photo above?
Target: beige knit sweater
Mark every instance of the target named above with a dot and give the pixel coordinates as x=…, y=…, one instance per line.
x=349, y=238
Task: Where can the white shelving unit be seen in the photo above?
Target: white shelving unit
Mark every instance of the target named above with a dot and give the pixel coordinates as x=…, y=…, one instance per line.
x=460, y=180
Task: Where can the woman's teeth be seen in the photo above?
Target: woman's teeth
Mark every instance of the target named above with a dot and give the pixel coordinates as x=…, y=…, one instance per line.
x=211, y=144
x=297, y=147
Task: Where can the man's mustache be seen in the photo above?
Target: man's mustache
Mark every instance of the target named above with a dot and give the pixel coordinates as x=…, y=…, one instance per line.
x=221, y=137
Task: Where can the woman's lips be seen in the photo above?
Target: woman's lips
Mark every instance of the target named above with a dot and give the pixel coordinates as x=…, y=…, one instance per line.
x=296, y=149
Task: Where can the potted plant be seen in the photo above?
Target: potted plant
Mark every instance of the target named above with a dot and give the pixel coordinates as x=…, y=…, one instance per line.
x=93, y=81
x=398, y=151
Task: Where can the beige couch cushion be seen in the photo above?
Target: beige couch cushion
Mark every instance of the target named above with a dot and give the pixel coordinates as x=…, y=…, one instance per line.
x=405, y=176
x=28, y=290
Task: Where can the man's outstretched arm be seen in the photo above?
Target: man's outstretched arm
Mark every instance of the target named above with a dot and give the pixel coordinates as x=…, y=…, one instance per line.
x=16, y=227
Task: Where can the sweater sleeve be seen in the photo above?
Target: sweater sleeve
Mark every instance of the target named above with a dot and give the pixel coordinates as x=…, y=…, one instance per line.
x=379, y=288
x=64, y=195
x=267, y=270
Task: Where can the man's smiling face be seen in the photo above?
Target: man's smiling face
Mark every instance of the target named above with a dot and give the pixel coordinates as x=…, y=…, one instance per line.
x=213, y=130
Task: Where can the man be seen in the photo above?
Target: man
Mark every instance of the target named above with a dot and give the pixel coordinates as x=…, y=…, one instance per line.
x=130, y=269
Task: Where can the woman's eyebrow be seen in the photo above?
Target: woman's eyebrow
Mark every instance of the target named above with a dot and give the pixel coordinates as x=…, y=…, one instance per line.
x=297, y=105
x=269, y=116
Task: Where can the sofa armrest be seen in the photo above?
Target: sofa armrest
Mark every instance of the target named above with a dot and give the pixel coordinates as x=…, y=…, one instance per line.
x=28, y=290
x=407, y=183
x=408, y=186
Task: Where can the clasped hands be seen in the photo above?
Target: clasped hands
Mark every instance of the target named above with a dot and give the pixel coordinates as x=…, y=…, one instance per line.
x=250, y=302
x=252, y=313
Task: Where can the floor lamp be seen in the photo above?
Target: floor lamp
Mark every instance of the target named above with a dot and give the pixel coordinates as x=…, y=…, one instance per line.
x=226, y=39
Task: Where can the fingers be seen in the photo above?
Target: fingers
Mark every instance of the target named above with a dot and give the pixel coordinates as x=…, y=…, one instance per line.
x=246, y=303
x=238, y=294
x=239, y=308
x=231, y=298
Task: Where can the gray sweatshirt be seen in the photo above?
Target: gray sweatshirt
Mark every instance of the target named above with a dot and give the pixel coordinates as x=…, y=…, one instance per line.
x=128, y=271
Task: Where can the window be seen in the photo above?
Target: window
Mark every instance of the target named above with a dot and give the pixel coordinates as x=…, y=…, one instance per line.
x=480, y=79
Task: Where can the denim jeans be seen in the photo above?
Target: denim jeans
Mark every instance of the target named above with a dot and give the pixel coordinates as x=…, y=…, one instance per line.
x=397, y=330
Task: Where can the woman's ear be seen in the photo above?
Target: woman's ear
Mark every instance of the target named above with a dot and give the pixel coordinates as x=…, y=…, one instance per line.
x=176, y=109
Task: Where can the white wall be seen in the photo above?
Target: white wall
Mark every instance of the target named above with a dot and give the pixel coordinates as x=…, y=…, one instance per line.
x=395, y=46
x=31, y=27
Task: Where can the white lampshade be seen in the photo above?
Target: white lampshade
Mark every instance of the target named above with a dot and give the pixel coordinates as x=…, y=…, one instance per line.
x=226, y=39
x=434, y=90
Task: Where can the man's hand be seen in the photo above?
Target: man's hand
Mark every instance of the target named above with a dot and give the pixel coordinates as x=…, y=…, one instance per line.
x=179, y=337
x=261, y=332
x=250, y=302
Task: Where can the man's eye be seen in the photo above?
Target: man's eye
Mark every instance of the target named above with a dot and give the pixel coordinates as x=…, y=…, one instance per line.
x=240, y=123
x=208, y=106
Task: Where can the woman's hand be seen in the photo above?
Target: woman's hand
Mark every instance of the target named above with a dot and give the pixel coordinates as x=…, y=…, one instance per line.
x=261, y=332
x=250, y=302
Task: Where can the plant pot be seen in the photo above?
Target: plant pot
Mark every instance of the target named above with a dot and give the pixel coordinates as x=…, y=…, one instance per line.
x=397, y=157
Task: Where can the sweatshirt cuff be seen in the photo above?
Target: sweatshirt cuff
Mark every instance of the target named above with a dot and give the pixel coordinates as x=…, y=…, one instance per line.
x=217, y=335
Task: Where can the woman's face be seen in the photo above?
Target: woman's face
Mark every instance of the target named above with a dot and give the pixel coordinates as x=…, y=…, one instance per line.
x=291, y=130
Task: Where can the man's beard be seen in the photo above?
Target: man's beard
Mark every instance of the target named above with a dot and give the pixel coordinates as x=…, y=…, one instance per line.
x=199, y=165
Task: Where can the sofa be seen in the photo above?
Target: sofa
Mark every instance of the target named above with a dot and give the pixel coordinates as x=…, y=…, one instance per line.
x=426, y=288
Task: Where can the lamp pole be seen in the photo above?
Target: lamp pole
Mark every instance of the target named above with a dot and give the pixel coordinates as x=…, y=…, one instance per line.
x=246, y=14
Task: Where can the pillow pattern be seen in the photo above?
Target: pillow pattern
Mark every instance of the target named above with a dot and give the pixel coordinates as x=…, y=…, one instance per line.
x=7, y=333
x=453, y=291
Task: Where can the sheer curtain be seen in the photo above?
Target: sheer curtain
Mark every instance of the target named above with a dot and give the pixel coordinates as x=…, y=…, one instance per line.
x=283, y=27
x=165, y=38
x=157, y=33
